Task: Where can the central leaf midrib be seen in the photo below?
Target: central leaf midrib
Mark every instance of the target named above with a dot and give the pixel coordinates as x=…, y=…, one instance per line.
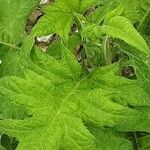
x=69, y=94
x=10, y=45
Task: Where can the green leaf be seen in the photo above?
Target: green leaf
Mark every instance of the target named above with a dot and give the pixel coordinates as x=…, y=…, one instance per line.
x=103, y=134
x=105, y=7
x=145, y=23
x=145, y=5
x=122, y=28
x=14, y=61
x=145, y=142
x=59, y=17
x=13, y=18
x=61, y=102
x=116, y=12
x=143, y=71
x=8, y=143
x=55, y=48
x=92, y=32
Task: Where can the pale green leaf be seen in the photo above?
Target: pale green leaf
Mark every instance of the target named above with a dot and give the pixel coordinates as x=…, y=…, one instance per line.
x=13, y=18
x=122, y=28
x=92, y=32
x=60, y=102
x=105, y=7
x=116, y=12
x=13, y=61
x=59, y=17
x=2, y=148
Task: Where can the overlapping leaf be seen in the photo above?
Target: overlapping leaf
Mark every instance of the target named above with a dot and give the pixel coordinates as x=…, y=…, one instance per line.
x=131, y=10
x=53, y=105
x=122, y=28
x=13, y=19
x=59, y=17
x=59, y=101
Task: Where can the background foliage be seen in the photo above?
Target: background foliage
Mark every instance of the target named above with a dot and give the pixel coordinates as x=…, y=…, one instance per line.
x=85, y=86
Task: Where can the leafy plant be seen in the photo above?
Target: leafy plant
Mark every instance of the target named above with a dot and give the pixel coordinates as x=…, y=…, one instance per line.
x=88, y=89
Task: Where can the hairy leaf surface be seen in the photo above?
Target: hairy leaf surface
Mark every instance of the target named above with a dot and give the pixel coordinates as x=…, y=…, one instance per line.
x=122, y=28
x=60, y=101
x=61, y=12
x=13, y=19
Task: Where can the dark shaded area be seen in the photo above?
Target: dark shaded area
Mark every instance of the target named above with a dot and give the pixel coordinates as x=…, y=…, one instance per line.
x=33, y=18
x=134, y=137
x=9, y=143
x=129, y=72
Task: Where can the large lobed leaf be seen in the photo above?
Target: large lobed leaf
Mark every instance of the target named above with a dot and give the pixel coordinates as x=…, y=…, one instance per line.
x=60, y=102
x=59, y=107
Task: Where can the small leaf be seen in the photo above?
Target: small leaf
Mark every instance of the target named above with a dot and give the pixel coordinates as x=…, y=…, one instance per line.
x=92, y=32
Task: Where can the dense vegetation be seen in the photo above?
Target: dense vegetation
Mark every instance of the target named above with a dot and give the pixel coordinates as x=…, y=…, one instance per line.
x=87, y=87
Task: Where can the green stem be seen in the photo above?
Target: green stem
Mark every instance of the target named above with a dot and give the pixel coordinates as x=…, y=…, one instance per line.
x=10, y=45
x=107, y=52
x=136, y=145
x=105, y=49
x=143, y=20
